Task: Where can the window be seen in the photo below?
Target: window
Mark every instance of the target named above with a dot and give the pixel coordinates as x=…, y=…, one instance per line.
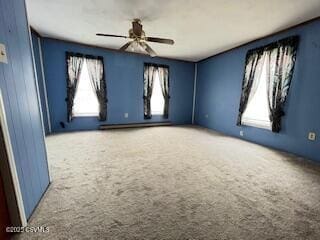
x=85, y=101
x=155, y=90
x=157, y=99
x=257, y=112
x=267, y=76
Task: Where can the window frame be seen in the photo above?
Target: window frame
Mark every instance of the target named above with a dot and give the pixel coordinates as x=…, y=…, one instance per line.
x=277, y=113
x=157, y=113
x=254, y=122
x=162, y=66
x=75, y=114
x=84, y=56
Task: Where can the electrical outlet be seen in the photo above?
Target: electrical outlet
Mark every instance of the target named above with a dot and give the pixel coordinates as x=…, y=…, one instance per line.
x=206, y=116
x=312, y=136
x=3, y=54
x=126, y=115
x=241, y=133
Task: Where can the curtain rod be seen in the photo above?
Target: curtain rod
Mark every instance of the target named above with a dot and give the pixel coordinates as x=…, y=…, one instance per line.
x=293, y=39
x=83, y=55
x=156, y=65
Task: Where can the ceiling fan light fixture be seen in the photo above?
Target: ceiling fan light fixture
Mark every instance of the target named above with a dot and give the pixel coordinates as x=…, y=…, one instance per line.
x=132, y=47
x=139, y=39
x=143, y=46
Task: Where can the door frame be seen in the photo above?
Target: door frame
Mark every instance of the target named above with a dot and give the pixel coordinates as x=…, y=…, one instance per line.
x=10, y=176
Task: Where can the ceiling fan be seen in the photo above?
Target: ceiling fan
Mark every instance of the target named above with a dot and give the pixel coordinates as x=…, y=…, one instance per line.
x=138, y=38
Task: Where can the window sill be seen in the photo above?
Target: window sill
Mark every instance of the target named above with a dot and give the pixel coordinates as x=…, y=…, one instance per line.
x=85, y=115
x=157, y=114
x=256, y=123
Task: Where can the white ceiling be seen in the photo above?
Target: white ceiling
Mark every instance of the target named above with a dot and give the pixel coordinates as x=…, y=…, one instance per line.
x=199, y=28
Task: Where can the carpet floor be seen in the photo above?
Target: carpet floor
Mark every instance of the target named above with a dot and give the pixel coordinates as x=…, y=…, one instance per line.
x=175, y=183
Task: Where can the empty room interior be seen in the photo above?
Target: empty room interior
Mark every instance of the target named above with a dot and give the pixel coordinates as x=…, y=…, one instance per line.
x=169, y=120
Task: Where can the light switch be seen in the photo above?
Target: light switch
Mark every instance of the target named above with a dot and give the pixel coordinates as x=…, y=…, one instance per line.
x=126, y=115
x=241, y=133
x=3, y=54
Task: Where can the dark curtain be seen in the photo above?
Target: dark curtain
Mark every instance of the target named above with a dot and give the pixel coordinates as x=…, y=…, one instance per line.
x=253, y=68
x=280, y=65
x=96, y=74
x=164, y=82
x=148, y=76
x=74, y=65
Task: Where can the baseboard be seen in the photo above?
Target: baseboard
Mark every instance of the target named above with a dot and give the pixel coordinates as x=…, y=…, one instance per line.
x=133, y=125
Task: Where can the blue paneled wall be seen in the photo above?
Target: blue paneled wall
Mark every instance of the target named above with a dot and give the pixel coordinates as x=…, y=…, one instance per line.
x=41, y=81
x=219, y=87
x=18, y=87
x=124, y=76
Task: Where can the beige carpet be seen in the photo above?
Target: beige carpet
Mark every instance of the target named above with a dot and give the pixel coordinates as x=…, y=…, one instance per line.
x=175, y=183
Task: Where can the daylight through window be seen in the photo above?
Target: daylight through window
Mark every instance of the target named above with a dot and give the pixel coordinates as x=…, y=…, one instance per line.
x=85, y=101
x=157, y=100
x=257, y=110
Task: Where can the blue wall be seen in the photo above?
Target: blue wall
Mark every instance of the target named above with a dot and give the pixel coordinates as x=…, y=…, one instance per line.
x=38, y=68
x=124, y=77
x=219, y=83
x=17, y=83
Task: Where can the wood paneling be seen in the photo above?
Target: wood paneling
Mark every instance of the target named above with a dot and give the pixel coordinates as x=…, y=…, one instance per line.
x=17, y=83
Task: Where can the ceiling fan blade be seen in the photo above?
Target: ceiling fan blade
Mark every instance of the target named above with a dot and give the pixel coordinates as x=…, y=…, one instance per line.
x=160, y=40
x=137, y=27
x=148, y=49
x=124, y=47
x=110, y=35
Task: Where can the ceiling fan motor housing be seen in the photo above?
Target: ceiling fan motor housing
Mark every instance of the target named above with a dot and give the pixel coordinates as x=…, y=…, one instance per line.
x=134, y=36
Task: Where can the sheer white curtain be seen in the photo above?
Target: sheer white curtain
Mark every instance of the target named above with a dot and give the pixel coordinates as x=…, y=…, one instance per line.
x=96, y=74
x=258, y=77
x=74, y=66
x=148, y=77
x=163, y=73
x=252, y=72
x=257, y=111
x=280, y=68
